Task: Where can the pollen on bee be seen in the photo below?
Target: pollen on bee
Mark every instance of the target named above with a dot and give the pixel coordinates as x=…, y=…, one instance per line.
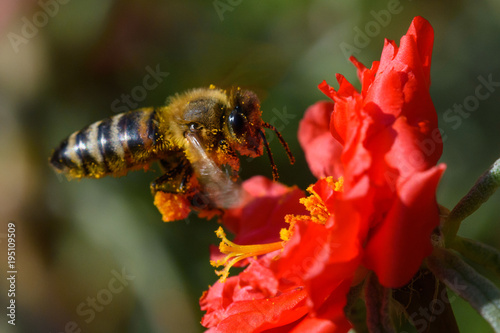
x=172, y=206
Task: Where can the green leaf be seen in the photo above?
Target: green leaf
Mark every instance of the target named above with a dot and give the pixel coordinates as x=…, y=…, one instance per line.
x=485, y=255
x=480, y=292
x=355, y=309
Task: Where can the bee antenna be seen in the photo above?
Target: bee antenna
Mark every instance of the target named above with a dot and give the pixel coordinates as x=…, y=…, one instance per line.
x=283, y=142
x=271, y=159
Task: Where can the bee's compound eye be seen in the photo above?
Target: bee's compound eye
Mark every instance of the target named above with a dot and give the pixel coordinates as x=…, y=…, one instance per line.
x=194, y=127
x=238, y=122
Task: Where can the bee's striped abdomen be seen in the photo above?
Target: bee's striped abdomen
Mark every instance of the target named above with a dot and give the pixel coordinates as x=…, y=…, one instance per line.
x=111, y=146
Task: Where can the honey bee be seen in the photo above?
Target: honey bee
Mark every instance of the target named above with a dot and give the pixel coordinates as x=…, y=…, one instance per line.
x=196, y=138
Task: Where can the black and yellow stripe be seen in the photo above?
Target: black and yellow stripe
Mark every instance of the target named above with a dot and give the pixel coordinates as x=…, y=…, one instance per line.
x=109, y=147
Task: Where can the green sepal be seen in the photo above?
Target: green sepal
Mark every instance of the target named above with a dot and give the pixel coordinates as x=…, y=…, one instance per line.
x=355, y=309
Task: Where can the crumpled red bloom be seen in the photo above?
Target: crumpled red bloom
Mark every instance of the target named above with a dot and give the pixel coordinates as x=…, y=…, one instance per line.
x=391, y=145
x=300, y=288
x=381, y=219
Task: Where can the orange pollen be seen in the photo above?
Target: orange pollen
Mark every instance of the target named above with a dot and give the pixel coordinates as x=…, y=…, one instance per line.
x=237, y=252
x=172, y=206
x=316, y=207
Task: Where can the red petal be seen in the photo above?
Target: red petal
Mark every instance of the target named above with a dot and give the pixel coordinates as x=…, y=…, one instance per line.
x=320, y=258
x=347, y=102
x=262, y=217
x=321, y=150
x=260, y=314
x=319, y=325
x=396, y=248
x=423, y=34
x=365, y=75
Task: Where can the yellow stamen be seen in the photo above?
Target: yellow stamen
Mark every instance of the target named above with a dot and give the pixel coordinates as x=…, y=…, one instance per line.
x=338, y=186
x=237, y=252
x=314, y=204
x=318, y=214
x=287, y=233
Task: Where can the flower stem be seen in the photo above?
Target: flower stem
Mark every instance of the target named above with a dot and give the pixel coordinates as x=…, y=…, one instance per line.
x=484, y=187
x=378, y=314
x=480, y=292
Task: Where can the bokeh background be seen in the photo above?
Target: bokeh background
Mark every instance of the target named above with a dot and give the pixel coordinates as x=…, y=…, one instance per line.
x=62, y=71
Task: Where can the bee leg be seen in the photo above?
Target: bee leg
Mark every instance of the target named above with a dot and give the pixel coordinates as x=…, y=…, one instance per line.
x=164, y=184
x=175, y=180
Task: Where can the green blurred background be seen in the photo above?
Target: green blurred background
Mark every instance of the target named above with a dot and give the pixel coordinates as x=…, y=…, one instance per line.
x=74, y=237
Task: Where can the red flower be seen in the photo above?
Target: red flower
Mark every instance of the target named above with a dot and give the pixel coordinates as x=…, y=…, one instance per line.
x=379, y=215
x=391, y=146
x=300, y=287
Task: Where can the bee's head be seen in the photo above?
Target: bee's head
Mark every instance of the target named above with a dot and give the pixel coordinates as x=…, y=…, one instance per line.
x=244, y=122
x=245, y=126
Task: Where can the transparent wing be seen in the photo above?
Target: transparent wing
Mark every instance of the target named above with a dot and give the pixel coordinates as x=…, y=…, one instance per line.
x=217, y=185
